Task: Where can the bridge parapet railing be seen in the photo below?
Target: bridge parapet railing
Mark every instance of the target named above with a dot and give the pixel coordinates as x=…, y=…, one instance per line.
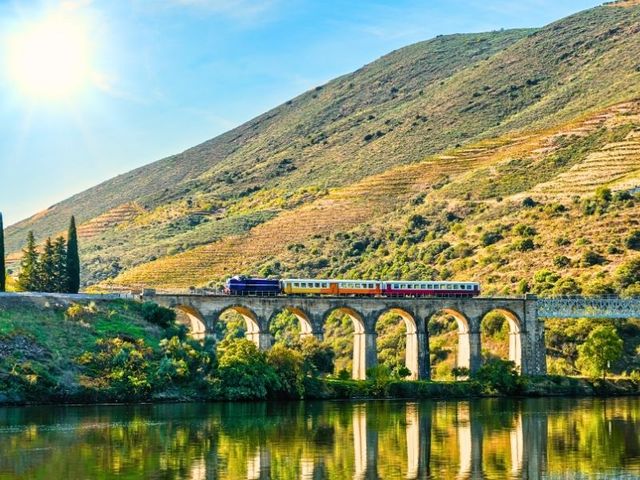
x=606, y=306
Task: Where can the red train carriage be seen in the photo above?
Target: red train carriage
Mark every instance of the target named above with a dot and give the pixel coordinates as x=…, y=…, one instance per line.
x=403, y=288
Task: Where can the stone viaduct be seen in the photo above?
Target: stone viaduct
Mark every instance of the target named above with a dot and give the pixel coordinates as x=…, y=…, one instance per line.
x=526, y=339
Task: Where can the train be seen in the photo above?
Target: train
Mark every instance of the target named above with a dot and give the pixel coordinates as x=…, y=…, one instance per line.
x=241, y=285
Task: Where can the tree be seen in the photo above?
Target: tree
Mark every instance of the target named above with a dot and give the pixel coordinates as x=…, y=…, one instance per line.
x=59, y=260
x=3, y=270
x=46, y=269
x=498, y=375
x=603, y=346
x=629, y=272
x=318, y=357
x=28, y=277
x=244, y=372
x=73, y=259
x=288, y=365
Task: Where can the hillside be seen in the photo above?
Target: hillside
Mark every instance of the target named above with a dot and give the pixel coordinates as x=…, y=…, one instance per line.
x=466, y=156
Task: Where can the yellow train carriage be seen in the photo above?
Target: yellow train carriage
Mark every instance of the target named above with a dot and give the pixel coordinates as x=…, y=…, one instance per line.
x=358, y=287
x=309, y=286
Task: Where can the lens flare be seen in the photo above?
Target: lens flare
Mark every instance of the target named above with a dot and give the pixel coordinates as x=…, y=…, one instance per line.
x=50, y=58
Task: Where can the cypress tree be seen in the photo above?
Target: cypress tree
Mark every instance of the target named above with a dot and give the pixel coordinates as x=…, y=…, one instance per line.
x=3, y=270
x=60, y=278
x=46, y=268
x=28, y=277
x=73, y=259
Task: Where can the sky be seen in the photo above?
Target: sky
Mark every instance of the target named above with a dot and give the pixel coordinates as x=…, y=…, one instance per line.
x=90, y=89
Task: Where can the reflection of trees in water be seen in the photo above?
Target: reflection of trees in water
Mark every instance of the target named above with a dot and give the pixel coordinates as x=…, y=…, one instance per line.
x=497, y=438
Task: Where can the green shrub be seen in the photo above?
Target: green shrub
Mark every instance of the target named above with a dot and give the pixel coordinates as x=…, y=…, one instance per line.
x=603, y=194
x=184, y=361
x=154, y=313
x=288, y=366
x=566, y=286
x=614, y=250
x=489, y=238
x=119, y=368
x=590, y=258
x=599, y=286
x=525, y=230
x=561, y=261
x=498, y=376
x=559, y=366
x=243, y=371
x=628, y=273
x=318, y=357
x=75, y=311
x=633, y=240
x=492, y=323
x=524, y=245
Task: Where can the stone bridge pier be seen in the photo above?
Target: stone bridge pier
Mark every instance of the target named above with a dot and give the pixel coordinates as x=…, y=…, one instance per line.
x=526, y=344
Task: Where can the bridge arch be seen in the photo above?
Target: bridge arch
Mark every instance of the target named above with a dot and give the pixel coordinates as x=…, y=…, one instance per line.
x=364, y=342
x=466, y=332
x=193, y=320
x=306, y=326
x=281, y=329
x=254, y=330
x=515, y=331
x=412, y=346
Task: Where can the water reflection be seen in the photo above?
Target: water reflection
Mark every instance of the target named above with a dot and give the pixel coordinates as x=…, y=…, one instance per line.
x=492, y=438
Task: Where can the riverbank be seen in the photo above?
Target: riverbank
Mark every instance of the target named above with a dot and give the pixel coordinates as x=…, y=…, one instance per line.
x=545, y=386
x=125, y=352
x=331, y=389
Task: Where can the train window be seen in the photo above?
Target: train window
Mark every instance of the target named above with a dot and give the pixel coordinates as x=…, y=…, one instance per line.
x=296, y=284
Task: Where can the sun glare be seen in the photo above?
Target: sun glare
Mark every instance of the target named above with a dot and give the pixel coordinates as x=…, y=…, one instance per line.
x=50, y=58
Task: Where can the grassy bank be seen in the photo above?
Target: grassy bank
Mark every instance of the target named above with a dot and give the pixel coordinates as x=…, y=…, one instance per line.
x=120, y=351
x=526, y=387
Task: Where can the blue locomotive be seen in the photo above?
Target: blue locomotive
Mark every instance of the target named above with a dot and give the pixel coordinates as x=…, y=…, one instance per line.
x=241, y=285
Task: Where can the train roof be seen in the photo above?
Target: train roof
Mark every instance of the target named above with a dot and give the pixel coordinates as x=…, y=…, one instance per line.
x=373, y=281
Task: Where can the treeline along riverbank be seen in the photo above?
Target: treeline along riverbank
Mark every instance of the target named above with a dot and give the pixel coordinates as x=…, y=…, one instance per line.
x=124, y=351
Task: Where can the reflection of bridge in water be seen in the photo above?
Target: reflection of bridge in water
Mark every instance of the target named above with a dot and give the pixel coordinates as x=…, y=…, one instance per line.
x=526, y=431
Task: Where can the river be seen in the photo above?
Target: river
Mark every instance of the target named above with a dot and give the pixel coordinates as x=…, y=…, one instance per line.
x=488, y=438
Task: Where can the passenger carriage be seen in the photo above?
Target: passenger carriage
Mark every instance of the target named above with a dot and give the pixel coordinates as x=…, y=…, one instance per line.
x=402, y=288
x=310, y=286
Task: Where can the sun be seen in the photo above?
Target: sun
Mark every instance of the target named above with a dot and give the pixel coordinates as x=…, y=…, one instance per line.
x=50, y=58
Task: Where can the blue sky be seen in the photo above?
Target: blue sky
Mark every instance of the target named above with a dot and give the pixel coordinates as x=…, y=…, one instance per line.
x=168, y=74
